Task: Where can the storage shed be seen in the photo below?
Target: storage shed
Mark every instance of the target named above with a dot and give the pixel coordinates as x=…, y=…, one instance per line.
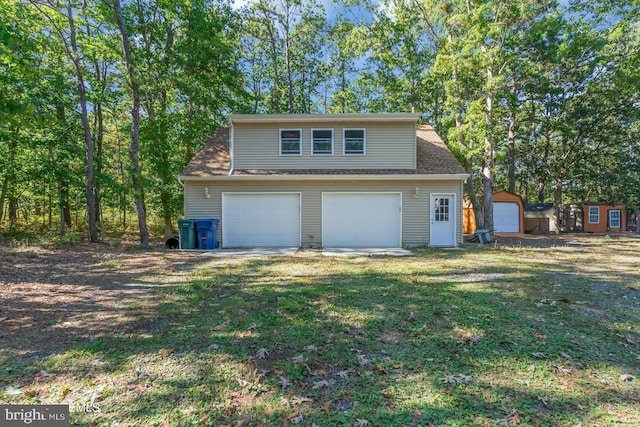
x=540, y=218
x=508, y=213
x=601, y=217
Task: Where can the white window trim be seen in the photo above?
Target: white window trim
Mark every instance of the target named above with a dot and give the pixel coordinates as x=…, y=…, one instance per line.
x=364, y=142
x=597, y=212
x=280, y=141
x=312, y=141
x=619, y=218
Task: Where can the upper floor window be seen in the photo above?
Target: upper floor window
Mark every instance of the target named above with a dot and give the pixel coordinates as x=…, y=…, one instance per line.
x=594, y=215
x=322, y=141
x=291, y=142
x=354, y=141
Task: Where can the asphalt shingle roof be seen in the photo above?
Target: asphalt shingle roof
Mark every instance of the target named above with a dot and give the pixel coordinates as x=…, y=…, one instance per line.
x=433, y=158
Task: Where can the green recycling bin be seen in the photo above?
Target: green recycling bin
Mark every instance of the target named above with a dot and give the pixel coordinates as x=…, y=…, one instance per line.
x=187, y=233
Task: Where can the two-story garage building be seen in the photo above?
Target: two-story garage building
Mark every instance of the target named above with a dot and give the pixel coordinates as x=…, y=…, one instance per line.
x=327, y=180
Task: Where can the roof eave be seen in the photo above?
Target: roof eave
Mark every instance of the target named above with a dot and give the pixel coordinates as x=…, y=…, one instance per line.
x=325, y=177
x=290, y=118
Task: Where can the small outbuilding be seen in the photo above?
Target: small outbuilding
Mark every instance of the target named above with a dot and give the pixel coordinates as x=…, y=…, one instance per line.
x=508, y=213
x=540, y=218
x=602, y=217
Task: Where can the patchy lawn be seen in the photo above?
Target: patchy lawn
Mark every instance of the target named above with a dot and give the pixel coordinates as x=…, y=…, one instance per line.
x=509, y=334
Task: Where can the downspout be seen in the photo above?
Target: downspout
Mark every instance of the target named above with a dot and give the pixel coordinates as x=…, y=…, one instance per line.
x=184, y=199
x=231, y=146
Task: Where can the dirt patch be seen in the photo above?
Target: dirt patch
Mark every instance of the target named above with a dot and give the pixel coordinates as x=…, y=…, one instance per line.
x=54, y=298
x=579, y=240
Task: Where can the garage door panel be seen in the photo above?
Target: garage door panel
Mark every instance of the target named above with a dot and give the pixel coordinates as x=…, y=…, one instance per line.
x=261, y=220
x=506, y=217
x=361, y=220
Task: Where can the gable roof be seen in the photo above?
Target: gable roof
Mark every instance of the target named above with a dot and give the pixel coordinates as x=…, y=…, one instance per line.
x=433, y=158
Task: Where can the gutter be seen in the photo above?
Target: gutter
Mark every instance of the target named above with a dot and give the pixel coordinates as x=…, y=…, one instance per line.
x=313, y=177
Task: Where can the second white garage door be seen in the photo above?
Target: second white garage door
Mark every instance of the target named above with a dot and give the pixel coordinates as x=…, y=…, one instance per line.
x=506, y=217
x=365, y=220
x=260, y=219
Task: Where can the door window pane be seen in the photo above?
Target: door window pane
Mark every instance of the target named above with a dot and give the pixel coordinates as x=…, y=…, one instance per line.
x=441, y=210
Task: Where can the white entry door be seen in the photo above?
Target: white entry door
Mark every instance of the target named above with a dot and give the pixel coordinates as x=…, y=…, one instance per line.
x=443, y=220
x=260, y=219
x=365, y=220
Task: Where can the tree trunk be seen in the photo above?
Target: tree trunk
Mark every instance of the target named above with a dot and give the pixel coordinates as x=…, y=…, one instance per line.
x=84, y=116
x=511, y=151
x=471, y=192
x=13, y=212
x=13, y=145
x=63, y=185
x=489, y=160
x=96, y=182
x=557, y=202
x=134, y=148
x=3, y=195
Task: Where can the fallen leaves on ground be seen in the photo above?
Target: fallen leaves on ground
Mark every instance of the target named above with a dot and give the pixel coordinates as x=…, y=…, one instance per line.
x=299, y=400
x=363, y=360
x=12, y=391
x=344, y=374
x=262, y=353
x=456, y=379
x=44, y=375
x=244, y=421
x=562, y=369
x=320, y=384
x=141, y=389
x=284, y=382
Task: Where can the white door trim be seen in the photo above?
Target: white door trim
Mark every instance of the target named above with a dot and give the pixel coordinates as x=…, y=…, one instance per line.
x=258, y=193
x=342, y=193
x=453, y=214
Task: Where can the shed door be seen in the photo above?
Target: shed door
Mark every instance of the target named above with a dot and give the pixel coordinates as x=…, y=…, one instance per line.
x=506, y=217
x=260, y=219
x=366, y=220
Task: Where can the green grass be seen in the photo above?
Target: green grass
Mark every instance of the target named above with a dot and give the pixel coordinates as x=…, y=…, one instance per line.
x=482, y=336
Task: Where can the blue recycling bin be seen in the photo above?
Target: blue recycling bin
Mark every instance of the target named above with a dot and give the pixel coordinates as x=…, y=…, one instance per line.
x=207, y=230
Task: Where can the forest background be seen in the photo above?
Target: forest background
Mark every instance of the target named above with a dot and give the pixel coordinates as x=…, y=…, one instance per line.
x=103, y=102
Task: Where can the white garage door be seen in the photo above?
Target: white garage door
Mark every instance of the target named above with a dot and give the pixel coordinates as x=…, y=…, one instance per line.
x=365, y=220
x=506, y=217
x=267, y=219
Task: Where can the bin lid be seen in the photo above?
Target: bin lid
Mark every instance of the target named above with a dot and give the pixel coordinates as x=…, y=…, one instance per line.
x=206, y=223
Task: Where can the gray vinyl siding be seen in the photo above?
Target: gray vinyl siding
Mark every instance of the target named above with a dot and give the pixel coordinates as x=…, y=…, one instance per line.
x=388, y=146
x=415, y=211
